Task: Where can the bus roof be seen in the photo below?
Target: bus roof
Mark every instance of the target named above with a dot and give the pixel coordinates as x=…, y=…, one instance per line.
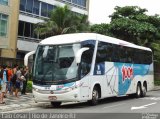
x=79, y=37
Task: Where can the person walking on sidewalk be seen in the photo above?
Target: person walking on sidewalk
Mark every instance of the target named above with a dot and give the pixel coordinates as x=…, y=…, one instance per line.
x=14, y=78
x=26, y=76
x=18, y=81
x=3, y=83
x=10, y=75
x=1, y=76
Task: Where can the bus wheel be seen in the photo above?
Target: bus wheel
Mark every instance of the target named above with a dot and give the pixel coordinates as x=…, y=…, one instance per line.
x=144, y=90
x=138, y=91
x=56, y=104
x=95, y=97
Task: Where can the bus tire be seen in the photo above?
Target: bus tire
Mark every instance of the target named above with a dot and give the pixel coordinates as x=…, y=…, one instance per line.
x=138, y=91
x=95, y=97
x=56, y=104
x=144, y=90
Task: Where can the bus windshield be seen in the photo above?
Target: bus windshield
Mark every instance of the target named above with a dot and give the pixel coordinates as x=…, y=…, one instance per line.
x=55, y=64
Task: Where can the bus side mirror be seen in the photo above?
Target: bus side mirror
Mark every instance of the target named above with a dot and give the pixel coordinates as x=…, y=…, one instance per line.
x=27, y=57
x=79, y=54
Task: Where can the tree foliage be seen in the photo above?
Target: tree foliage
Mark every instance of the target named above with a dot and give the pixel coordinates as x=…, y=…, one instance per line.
x=156, y=48
x=131, y=23
x=100, y=28
x=62, y=20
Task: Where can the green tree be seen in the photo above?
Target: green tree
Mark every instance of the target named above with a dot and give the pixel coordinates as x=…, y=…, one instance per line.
x=156, y=48
x=100, y=28
x=62, y=20
x=131, y=23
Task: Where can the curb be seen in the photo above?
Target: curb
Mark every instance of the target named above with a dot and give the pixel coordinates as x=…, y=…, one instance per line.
x=156, y=88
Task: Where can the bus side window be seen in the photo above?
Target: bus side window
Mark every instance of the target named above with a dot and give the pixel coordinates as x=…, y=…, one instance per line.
x=86, y=62
x=86, y=59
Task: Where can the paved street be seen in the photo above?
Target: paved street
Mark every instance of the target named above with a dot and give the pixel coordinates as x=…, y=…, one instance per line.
x=125, y=107
x=150, y=104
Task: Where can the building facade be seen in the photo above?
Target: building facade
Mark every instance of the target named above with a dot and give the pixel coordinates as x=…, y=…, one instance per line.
x=33, y=12
x=9, y=13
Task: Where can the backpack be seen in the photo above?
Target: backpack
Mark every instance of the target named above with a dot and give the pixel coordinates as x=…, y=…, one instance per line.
x=14, y=78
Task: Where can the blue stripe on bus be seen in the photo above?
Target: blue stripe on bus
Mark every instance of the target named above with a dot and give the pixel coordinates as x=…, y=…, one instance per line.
x=124, y=83
x=126, y=73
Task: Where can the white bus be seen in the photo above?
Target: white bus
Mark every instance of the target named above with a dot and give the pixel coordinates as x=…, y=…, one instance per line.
x=88, y=67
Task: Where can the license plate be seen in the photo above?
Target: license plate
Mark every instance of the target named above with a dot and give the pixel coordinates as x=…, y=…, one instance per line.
x=52, y=98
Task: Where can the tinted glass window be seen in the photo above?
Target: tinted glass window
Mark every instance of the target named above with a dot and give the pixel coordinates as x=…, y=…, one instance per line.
x=29, y=6
x=104, y=52
x=22, y=5
x=87, y=57
x=44, y=9
x=36, y=7
x=83, y=3
x=50, y=8
x=4, y=2
x=74, y=1
x=117, y=53
x=3, y=25
x=21, y=28
x=68, y=0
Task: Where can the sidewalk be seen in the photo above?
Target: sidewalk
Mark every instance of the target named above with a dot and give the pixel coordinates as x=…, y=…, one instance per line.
x=13, y=103
x=156, y=88
x=26, y=101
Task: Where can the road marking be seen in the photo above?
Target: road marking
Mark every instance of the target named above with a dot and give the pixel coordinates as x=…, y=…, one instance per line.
x=152, y=98
x=143, y=106
x=114, y=105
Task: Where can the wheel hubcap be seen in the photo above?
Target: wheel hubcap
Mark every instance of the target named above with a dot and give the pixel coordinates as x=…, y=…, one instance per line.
x=138, y=92
x=144, y=90
x=95, y=95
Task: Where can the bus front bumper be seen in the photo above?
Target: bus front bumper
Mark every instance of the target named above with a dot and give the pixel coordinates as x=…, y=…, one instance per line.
x=70, y=96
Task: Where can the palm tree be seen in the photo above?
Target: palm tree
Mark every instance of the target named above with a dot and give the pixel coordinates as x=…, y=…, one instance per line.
x=62, y=20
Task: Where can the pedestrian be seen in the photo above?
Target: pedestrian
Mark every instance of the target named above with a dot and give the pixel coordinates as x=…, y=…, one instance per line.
x=18, y=81
x=10, y=75
x=14, y=78
x=1, y=76
x=26, y=76
x=3, y=83
x=5, y=73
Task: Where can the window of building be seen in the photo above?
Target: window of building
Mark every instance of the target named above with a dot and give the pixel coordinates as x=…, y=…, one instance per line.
x=44, y=9
x=50, y=8
x=22, y=5
x=3, y=25
x=29, y=6
x=36, y=5
x=68, y=0
x=26, y=30
x=20, y=55
x=21, y=28
x=4, y=2
x=74, y=1
x=79, y=2
x=83, y=3
x=33, y=7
